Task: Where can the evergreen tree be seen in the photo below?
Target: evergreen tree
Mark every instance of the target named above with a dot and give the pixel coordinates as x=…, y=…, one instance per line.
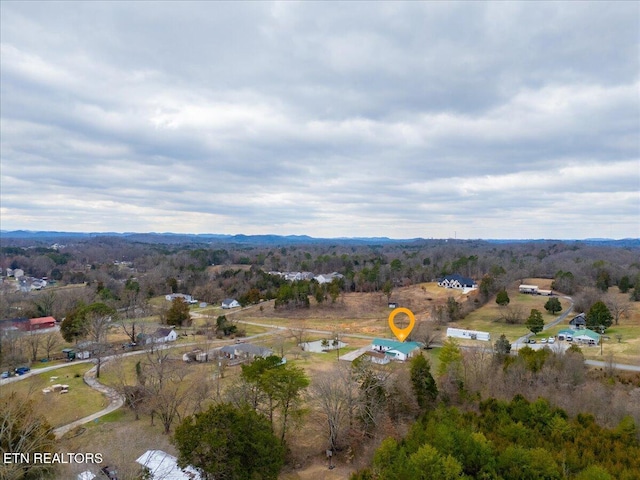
x=502, y=348
x=502, y=298
x=624, y=284
x=424, y=385
x=599, y=314
x=553, y=305
x=178, y=314
x=535, y=322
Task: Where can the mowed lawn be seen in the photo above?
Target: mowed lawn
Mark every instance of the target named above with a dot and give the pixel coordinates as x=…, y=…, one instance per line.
x=59, y=409
x=487, y=318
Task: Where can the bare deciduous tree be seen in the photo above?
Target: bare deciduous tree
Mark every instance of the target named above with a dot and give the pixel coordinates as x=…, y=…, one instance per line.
x=618, y=308
x=335, y=394
x=32, y=343
x=512, y=315
x=425, y=333
x=50, y=341
x=164, y=381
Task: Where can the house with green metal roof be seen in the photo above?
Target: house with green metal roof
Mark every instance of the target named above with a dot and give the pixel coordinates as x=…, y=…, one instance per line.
x=586, y=336
x=395, y=350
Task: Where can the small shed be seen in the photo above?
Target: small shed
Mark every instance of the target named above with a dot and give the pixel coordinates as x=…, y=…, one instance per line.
x=69, y=353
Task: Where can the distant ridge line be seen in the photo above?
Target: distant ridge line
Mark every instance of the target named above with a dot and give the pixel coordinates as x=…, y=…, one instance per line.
x=273, y=239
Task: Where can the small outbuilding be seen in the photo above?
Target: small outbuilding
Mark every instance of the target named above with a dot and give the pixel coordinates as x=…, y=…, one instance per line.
x=579, y=321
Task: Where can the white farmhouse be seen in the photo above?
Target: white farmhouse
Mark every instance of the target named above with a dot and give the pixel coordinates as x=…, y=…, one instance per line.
x=230, y=303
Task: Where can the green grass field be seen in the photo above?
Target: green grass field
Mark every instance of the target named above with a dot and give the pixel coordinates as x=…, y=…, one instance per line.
x=60, y=409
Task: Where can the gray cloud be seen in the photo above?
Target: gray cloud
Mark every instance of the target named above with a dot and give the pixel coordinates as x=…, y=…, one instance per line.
x=505, y=120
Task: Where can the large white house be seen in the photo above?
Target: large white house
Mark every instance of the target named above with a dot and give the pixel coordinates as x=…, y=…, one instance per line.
x=458, y=282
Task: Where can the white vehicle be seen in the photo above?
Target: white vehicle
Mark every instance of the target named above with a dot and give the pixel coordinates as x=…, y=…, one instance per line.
x=544, y=340
x=552, y=340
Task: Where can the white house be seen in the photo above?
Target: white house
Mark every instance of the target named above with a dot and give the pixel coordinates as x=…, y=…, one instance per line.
x=468, y=334
x=163, y=466
x=328, y=277
x=458, y=282
x=187, y=298
x=395, y=350
x=230, y=303
x=161, y=335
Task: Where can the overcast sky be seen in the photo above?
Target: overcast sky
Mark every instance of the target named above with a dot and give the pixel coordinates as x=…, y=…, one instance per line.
x=474, y=120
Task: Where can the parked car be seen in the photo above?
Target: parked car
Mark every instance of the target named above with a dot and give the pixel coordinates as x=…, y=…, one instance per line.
x=5, y=375
x=22, y=370
x=544, y=340
x=552, y=340
x=532, y=340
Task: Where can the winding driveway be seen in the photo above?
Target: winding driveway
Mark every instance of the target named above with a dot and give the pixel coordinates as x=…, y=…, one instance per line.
x=560, y=318
x=115, y=402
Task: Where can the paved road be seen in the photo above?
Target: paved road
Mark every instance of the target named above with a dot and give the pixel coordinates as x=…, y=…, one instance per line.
x=617, y=366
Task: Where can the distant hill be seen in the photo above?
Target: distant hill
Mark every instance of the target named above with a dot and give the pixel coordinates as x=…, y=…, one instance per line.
x=272, y=240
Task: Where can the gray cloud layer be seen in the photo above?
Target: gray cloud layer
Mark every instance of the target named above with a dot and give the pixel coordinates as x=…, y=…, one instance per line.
x=495, y=120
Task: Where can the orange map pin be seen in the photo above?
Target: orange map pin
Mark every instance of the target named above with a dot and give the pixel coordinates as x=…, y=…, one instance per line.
x=402, y=333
